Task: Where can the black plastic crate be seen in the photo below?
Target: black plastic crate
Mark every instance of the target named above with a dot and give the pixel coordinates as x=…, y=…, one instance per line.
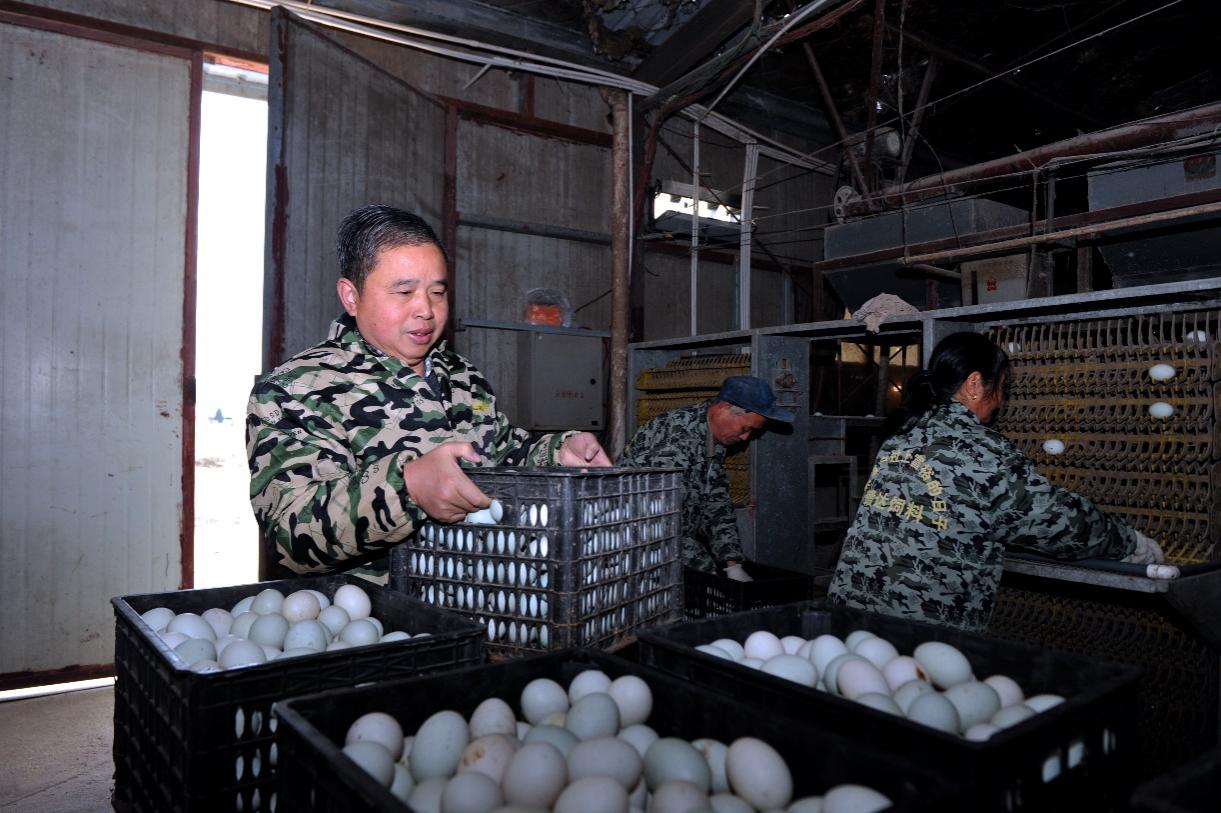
x=205, y=742
x=710, y=594
x=1077, y=755
x=318, y=777
x=581, y=558
x=1191, y=788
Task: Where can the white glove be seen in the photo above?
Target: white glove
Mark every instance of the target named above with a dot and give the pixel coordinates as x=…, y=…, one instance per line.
x=736, y=573
x=1147, y=551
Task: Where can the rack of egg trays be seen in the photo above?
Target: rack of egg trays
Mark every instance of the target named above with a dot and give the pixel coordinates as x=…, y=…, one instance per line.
x=1070, y=746
x=1124, y=412
x=576, y=558
x=579, y=731
x=196, y=734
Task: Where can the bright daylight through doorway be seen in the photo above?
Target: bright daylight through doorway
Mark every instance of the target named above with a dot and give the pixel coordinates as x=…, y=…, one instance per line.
x=228, y=319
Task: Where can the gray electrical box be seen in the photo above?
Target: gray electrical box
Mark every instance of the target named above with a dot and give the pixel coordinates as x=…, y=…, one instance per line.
x=559, y=381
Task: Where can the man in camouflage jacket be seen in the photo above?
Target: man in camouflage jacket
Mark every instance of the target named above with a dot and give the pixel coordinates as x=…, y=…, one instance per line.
x=944, y=500
x=695, y=439
x=354, y=442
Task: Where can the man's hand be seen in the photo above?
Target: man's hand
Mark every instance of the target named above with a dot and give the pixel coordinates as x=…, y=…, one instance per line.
x=583, y=449
x=1147, y=551
x=736, y=572
x=437, y=484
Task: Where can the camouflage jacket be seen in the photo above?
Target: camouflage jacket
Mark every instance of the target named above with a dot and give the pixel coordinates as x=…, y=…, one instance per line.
x=680, y=439
x=945, y=498
x=328, y=432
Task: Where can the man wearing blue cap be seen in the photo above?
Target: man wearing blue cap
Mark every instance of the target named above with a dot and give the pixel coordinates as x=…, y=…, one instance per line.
x=696, y=439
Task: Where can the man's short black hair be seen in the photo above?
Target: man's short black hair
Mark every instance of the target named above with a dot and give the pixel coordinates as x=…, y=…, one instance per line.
x=371, y=229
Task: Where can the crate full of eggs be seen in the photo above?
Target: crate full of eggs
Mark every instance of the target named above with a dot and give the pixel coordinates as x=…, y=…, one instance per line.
x=577, y=731
x=1022, y=728
x=197, y=672
x=562, y=558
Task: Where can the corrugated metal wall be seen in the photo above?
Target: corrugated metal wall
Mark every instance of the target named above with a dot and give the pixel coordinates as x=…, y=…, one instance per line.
x=342, y=133
x=94, y=144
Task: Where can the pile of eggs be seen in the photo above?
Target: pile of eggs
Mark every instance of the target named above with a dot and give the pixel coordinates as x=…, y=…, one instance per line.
x=584, y=749
x=269, y=626
x=934, y=686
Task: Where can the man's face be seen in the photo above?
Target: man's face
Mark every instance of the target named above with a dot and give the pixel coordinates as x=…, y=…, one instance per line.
x=402, y=307
x=729, y=428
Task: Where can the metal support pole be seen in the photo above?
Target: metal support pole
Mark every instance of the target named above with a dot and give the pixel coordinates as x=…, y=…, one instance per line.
x=695, y=226
x=875, y=79
x=620, y=281
x=749, y=171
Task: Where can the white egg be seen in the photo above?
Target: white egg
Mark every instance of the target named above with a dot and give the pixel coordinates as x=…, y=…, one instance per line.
x=323, y=601
x=588, y=682
x=1042, y=702
x=336, y=645
x=192, y=626
x=933, y=710
x=307, y=634
x=758, y=774
x=242, y=653
x=269, y=630
x=224, y=641
x=877, y=651
x=556, y=736
x=334, y=619
x=593, y=794
x=220, y=620
x=535, y=776
x=391, y=637
x=640, y=736
x=267, y=601
x=714, y=753
x=194, y=650
x=594, y=715
x=728, y=803
x=905, y=694
x=824, y=649
x=945, y=665
x=379, y=727
x=881, y=702
x=980, y=732
x=633, y=697
x=763, y=645
x=830, y=676
x=493, y=716
x=791, y=667
x=242, y=606
x=439, y=744
x=300, y=606
x=854, y=799
x=541, y=698
x=354, y=600
x=1007, y=689
x=374, y=759
x=901, y=670
x=402, y=784
x=751, y=663
x=359, y=633
x=204, y=667
x=792, y=643
x=471, y=792
x=857, y=677
x=242, y=624
x=975, y=702
x=606, y=756
x=715, y=651
x=1053, y=446
x=677, y=797
x=297, y=652
x=735, y=650
x=855, y=637
x=671, y=758
x=173, y=639
x=1161, y=409
x=158, y=618
x=1012, y=715
x=1162, y=372
x=489, y=755
x=425, y=797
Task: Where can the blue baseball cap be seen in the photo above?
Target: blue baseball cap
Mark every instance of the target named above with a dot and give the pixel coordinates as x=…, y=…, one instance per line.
x=755, y=395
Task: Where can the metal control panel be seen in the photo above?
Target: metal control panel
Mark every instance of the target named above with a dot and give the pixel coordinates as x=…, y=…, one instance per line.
x=560, y=381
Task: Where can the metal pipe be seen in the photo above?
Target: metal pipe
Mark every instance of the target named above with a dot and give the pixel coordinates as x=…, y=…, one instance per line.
x=1049, y=237
x=833, y=113
x=909, y=143
x=620, y=281
x=1137, y=134
x=695, y=226
x=749, y=170
x=875, y=78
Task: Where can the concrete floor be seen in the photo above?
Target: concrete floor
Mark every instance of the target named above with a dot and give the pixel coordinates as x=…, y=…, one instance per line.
x=55, y=752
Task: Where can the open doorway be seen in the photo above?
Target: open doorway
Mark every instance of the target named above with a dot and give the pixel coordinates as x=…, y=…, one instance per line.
x=228, y=316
